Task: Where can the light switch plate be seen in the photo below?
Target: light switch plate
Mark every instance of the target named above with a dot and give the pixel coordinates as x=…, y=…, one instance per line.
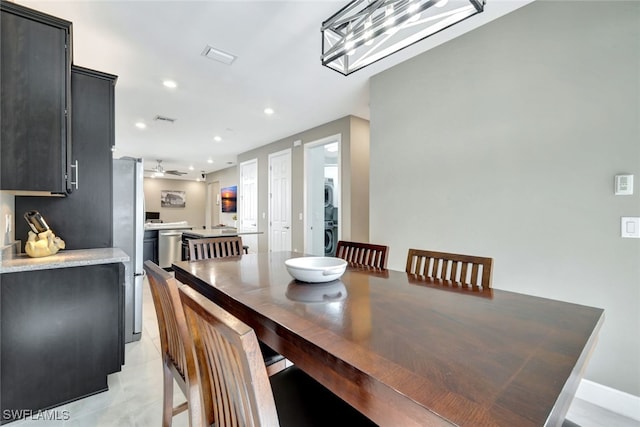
x=624, y=185
x=630, y=227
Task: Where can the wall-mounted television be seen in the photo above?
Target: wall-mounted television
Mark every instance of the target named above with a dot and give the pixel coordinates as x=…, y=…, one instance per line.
x=229, y=196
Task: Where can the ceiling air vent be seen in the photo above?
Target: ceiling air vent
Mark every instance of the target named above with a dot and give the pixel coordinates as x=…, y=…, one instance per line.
x=218, y=55
x=164, y=119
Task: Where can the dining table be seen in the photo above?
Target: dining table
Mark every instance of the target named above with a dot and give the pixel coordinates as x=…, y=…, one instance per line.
x=407, y=350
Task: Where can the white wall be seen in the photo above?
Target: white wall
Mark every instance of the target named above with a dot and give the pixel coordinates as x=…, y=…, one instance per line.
x=7, y=207
x=193, y=212
x=505, y=142
x=226, y=177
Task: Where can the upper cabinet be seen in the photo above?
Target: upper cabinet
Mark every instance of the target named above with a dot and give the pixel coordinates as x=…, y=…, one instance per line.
x=83, y=219
x=35, y=82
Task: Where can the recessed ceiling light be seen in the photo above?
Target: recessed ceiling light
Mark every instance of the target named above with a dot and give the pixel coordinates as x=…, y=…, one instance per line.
x=141, y=125
x=191, y=167
x=269, y=111
x=170, y=84
x=217, y=138
x=210, y=161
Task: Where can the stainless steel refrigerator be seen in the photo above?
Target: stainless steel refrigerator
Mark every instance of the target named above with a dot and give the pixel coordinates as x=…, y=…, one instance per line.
x=128, y=234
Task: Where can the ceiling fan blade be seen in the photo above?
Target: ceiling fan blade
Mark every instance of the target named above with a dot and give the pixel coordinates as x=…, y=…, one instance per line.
x=174, y=172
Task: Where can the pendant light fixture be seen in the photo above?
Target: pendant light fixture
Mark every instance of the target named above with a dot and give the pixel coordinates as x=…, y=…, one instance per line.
x=365, y=31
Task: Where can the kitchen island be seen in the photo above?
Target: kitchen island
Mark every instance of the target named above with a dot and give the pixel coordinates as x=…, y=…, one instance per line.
x=161, y=243
x=62, y=327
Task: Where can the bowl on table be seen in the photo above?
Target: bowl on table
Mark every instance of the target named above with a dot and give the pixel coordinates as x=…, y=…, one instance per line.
x=316, y=269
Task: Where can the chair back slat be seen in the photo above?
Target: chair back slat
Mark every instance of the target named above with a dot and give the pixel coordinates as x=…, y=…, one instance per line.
x=215, y=247
x=175, y=341
x=230, y=361
x=450, y=267
x=170, y=341
x=364, y=254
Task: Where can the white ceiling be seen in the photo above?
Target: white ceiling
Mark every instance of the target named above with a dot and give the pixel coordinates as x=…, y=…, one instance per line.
x=278, y=46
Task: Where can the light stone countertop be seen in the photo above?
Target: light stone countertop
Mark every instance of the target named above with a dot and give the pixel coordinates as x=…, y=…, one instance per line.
x=181, y=225
x=63, y=259
x=219, y=232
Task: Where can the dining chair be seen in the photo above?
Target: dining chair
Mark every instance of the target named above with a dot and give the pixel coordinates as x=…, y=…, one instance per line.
x=221, y=247
x=215, y=247
x=177, y=356
x=462, y=270
x=365, y=254
x=228, y=358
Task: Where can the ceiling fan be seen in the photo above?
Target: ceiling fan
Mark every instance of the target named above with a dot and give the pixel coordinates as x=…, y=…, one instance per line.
x=159, y=170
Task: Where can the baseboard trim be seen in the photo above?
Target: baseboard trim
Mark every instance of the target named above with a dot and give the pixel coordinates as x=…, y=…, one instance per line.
x=609, y=398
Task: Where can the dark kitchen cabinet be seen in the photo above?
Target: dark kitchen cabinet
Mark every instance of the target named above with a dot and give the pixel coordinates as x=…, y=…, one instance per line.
x=83, y=219
x=150, y=246
x=62, y=335
x=35, y=95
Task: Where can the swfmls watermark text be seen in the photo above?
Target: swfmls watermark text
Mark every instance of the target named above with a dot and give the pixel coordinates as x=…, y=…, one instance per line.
x=36, y=415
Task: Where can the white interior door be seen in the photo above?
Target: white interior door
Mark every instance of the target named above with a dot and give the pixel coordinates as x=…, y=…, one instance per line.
x=248, y=206
x=280, y=201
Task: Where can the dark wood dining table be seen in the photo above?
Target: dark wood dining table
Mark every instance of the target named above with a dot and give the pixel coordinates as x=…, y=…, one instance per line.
x=409, y=351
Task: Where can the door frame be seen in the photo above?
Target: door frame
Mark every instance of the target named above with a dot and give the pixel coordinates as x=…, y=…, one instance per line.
x=313, y=144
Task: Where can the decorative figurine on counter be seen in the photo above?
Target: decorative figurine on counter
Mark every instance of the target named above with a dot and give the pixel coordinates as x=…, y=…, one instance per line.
x=43, y=244
x=41, y=241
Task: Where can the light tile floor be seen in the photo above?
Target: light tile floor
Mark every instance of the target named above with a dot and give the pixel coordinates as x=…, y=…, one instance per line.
x=134, y=398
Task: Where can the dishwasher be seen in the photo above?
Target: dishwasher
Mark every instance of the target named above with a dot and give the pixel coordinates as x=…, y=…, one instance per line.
x=169, y=247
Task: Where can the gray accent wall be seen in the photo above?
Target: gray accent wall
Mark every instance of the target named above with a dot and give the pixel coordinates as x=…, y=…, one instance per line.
x=194, y=209
x=354, y=153
x=505, y=142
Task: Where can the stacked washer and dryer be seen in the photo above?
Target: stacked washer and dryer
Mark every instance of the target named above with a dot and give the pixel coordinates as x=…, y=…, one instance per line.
x=330, y=218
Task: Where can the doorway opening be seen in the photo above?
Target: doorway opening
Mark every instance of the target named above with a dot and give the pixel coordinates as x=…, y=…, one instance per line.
x=322, y=196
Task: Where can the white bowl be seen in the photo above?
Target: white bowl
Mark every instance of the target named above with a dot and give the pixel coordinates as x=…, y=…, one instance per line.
x=316, y=269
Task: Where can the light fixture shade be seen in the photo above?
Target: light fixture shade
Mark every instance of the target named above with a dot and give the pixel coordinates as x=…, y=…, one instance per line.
x=365, y=31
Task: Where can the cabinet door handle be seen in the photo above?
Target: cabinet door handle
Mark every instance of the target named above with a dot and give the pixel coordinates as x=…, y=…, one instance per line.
x=75, y=166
